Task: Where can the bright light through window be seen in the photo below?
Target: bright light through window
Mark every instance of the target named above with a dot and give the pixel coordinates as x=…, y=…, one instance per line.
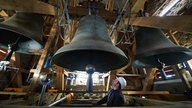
x=168, y=7
x=190, y=63
x=81, y=78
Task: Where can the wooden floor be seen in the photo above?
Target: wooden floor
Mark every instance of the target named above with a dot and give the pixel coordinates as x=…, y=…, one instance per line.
x=184, y=104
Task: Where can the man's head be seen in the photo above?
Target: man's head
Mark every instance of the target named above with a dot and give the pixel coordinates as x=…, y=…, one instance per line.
x=119, y=82
x=122, y=82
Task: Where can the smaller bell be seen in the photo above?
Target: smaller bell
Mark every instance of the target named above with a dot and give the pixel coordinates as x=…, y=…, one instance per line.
x=154, y=49
x=27, y=27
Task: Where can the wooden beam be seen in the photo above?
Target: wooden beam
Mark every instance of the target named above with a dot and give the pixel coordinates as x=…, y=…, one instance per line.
x=78, y=11
x=111, y=76
x=144, y=92
x=109, y=5
x=139, y=4
x=121, y=69
x=147, y=86
x=129, y=88
x=43, y=57
x=83, y=87
x=175, y=23
x=173, y=38
x=66, y=73
x=13, y=93
x=106, y=75
x=3, y=13
x=129, y=75
x=33, y=6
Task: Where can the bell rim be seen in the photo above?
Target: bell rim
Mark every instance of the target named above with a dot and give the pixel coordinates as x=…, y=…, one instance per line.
x=83, y=69
x=71, y=48
x=19, y=31
x=139, y=59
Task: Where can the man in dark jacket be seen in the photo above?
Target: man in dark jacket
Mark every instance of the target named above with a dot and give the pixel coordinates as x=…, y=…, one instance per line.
x=115, y=96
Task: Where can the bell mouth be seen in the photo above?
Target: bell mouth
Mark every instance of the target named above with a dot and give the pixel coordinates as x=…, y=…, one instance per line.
x=104, y=56
x=174, y=56
x=153, y=49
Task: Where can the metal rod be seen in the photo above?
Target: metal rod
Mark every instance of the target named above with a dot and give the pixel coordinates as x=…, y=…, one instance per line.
x=161, y=68
x=93, y=8
x=57, y=101
x=98, y=7
x=183, y=78
x=89, y=7
x=89, y=87
x=118, y=18
x=162, y=73
x=188, y=67
x=44, y=83
x=42, y=95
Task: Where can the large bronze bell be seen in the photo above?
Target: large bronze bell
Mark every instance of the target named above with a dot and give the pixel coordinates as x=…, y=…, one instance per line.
x=154, y=49
x=90, y=45
x=27, y=26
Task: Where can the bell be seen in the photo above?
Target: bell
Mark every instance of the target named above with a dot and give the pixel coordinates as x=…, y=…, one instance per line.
x=153, y=49
x=91, y=45
x=27, y=27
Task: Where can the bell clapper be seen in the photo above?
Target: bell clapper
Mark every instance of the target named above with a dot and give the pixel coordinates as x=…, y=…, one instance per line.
x=90, y=69
x=161, y=69
x=4, y=64
x=12, y=47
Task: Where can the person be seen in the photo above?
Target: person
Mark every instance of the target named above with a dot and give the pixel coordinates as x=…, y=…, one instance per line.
x=114, y=96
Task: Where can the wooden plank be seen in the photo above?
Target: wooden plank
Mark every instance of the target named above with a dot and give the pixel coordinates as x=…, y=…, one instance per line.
x=13, y=93
x=13, y=90
x=33, y=6
x=59, y=78
x=144, y=92
x=175, y=23
x=43, y=57
x=129, y=75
